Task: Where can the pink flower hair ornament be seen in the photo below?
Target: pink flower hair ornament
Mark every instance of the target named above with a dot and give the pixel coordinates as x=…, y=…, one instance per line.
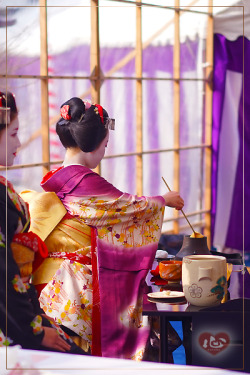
x=87, y=104
x=64, y=111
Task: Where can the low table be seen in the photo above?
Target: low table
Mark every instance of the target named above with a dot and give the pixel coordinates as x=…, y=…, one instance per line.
x=216, y=336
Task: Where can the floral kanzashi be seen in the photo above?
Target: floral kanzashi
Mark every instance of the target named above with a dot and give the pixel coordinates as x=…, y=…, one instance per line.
x=18, y=284
x=4, y=341
x=64, y=111
x=219, y=288
x=195, y=291
x=36, y=324
x=87, y=103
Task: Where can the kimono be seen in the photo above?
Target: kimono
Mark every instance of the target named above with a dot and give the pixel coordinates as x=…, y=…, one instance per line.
x=101, y=299
x=24, y=326
x=19, y=250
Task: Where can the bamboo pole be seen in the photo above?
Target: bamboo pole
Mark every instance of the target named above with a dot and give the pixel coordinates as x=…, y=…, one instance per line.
x=165, y=7
x=44, y=86
x=95, y=52
x=95, y=58
x=138, y=73
x=208, y=122
x=115, y=68
x=130, y=78
x=176, y=85
x=125, y=155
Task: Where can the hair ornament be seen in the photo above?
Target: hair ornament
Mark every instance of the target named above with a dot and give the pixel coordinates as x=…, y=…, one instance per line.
x=4, y=111
x=99, y=111
x=87, y=104
x=80, y=119
x=110, y=123
x=64, y=111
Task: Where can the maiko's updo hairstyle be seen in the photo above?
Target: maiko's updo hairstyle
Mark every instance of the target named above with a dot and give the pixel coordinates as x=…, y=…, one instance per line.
x=81, y=125
x=7, y=100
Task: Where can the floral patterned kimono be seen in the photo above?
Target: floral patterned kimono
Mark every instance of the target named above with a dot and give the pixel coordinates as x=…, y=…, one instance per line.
x=20, y=252
x=99, y=294
x=23, y=324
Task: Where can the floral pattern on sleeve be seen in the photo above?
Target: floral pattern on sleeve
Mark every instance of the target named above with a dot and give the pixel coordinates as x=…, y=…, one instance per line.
x=17, y=200
x=2, y=239
x=129, y=221
x=4, y=341
x=18, y=284
x=59, y=330
x=36, y=324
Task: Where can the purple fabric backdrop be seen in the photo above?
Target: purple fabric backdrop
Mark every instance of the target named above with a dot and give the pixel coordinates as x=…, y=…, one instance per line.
x=228, y=56
x=119, y=97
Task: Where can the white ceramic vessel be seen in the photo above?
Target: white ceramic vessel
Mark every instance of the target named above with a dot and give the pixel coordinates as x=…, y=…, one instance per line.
x=204, y=279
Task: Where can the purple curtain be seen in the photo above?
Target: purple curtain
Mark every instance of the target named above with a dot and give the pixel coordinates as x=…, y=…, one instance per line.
x=230, y=164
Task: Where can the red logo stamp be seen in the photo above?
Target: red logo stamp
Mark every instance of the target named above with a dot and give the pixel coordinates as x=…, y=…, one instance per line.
x=214, y=344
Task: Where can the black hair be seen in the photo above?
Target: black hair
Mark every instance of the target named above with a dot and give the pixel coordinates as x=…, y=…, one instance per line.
x=7, y=99
x=84, y=128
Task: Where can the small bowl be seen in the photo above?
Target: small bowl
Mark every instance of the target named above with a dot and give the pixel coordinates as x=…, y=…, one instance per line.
x=170, y=270
x=168, y=257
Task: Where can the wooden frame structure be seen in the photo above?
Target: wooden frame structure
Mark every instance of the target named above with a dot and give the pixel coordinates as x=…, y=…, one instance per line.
x=97, y=78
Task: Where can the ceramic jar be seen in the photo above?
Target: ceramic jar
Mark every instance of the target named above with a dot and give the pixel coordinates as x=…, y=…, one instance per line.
x=204, y=279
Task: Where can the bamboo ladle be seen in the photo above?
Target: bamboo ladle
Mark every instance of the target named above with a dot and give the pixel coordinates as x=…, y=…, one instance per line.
x=195, y=234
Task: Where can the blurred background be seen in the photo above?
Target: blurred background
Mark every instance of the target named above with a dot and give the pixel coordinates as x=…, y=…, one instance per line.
x=171, y=72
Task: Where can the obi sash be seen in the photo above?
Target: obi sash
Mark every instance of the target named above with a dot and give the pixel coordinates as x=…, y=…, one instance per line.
x=67, y=239
x=63, y=234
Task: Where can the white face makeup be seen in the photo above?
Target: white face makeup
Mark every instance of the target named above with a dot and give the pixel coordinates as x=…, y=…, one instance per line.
x=9, y=143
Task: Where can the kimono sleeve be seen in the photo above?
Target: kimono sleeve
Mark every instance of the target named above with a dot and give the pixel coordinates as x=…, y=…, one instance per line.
x=23, y=326
x=120, y=218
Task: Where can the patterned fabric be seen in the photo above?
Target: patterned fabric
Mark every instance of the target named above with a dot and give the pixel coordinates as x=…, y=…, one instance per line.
x=128, y=230
x=36, y=325
x=28, y=251
x=68, y=298
x=25, y=321
x=2, y=240
x=19, y=204
x=127, y=221
x=60, y=331
x=20, y=311
x=4, y=341
x=18, y=284
x=77, y=256
x=15, y=198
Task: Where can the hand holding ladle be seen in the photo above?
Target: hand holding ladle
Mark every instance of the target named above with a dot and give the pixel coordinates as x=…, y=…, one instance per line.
x=194, y=234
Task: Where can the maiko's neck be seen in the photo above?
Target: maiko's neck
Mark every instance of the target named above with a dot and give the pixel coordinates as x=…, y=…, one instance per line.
x=73, y=156
x=77, y=156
